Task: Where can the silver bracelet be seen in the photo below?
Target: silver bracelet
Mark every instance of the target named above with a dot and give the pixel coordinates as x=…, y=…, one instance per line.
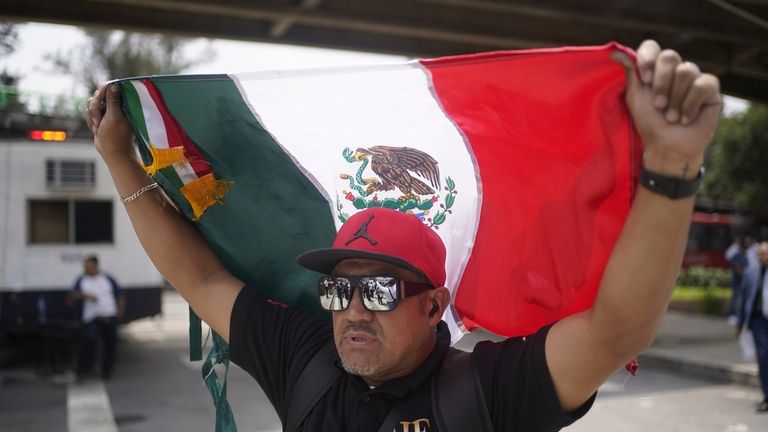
x=138, y=193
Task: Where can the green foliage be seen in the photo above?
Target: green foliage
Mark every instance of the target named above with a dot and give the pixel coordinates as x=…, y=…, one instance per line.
x=736, y=160
x=9, y=94
x=696, y=293
x=710, y=303
x=8, y=80
x=704, y=277
x=710, y=300
x=707, y=286
x=118, y=54
x=13, y=100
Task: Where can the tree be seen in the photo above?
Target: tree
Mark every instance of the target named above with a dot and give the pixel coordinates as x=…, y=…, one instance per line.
x=119, y=54
x=737, y=160
x=9, y=37
x=9, y=95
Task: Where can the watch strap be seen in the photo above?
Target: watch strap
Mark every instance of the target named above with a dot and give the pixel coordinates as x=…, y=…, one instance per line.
x=672, y=187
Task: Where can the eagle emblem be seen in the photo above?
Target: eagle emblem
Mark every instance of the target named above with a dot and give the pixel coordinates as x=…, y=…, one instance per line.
x=406, y=179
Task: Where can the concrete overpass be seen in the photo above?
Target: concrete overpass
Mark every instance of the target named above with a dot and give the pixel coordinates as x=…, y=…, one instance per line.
x=726, y=37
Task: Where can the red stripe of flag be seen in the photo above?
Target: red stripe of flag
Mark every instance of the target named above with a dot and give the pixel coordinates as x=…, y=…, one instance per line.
x=176, y=135
x=553, y=144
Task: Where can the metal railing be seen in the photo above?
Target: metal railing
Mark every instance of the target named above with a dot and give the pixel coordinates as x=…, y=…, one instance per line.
x=40, y=103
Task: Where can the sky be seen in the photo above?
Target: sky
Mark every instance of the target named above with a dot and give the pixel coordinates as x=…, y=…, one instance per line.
x=36, y=40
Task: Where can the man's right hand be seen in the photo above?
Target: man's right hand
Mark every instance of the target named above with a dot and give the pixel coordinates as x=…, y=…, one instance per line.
x=113, y=137
x=77, y=295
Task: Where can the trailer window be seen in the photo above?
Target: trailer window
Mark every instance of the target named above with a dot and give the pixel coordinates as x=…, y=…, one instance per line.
x=70, y=222
x=49, y=221
x=93, y=221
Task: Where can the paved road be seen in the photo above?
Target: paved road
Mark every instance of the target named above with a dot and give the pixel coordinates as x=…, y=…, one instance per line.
x=171, y=398
x=156, y=388
x=660, y=401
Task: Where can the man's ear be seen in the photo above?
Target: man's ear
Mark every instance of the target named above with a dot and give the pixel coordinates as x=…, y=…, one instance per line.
x=441, y=298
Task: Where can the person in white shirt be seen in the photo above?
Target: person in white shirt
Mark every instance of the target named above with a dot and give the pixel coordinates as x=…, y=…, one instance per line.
x=750, y=247
x=103, y=307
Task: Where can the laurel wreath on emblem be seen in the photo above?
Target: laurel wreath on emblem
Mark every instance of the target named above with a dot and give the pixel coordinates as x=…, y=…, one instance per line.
x=394, y=167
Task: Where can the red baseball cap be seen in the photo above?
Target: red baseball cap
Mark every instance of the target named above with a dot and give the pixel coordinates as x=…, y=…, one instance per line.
x=383, y=235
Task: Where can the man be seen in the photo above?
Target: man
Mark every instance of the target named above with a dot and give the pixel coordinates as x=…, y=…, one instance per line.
x=749, y=249
x=542, y=382
x=739, y=263
x=754, y=314
x=103, y=306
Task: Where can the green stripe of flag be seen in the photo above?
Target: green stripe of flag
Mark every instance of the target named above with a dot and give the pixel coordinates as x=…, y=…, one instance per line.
x=172, y=176
x=273, y=212
x=132, y=108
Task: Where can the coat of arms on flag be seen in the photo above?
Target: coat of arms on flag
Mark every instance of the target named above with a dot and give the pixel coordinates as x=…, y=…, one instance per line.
x=406, y=179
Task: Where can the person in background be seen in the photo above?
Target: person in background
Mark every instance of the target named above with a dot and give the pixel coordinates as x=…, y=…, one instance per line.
x=103, y=306
x=754, y=314
x=733, y=249
x=750, y=249
x=739, y=263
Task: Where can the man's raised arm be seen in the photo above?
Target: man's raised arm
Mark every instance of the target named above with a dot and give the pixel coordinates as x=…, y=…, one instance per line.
x=175, y=247
x=675, y=109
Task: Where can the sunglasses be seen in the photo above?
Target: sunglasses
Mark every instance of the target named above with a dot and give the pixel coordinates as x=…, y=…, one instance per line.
x=378, y=293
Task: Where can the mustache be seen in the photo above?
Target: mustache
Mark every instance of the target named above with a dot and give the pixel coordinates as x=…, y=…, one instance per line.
x=359, y=327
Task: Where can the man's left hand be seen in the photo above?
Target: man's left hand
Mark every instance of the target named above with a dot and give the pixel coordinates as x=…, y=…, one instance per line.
x=674, y=106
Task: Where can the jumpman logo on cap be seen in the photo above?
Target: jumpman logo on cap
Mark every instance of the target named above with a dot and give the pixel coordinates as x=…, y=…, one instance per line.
x=362, y=232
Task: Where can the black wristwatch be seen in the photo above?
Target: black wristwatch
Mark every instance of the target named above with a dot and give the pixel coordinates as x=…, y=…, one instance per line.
x=672, y=187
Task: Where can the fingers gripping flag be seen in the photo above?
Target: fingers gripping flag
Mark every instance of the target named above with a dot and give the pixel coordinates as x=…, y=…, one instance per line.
x=522, y=161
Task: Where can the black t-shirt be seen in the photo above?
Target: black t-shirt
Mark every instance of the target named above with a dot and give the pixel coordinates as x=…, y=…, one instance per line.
x=274, y=343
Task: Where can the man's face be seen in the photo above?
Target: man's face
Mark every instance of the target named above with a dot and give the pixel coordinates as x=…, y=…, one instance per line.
x=382, y=345
x=762, y=253
x=91, y=268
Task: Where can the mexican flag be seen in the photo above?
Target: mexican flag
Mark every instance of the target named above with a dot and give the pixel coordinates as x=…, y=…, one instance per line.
x=522, y=161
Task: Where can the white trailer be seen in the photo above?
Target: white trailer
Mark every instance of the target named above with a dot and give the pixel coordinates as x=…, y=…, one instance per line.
x=57, y=206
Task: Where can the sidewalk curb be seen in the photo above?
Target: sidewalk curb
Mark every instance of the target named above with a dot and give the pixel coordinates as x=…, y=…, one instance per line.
x=699, y=369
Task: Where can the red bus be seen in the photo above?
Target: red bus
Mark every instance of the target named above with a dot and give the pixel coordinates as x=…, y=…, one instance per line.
x=712, y=233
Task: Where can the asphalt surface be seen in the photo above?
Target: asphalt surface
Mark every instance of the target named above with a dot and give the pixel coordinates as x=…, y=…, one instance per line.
x=156, y=388
x=657, y=400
